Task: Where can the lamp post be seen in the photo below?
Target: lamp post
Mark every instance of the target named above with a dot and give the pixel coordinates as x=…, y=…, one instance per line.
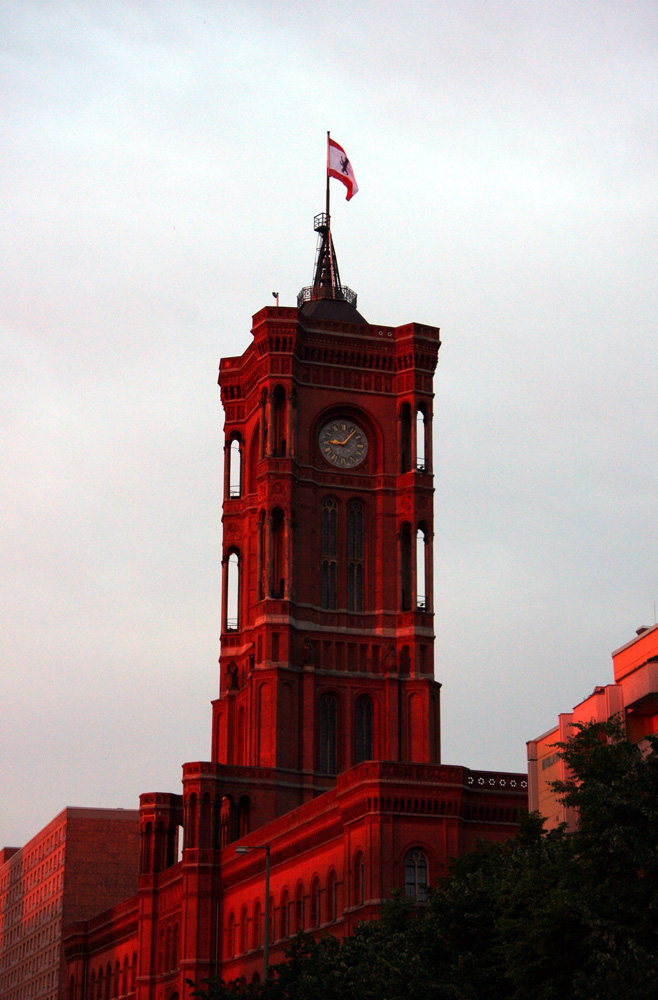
x=266, y=941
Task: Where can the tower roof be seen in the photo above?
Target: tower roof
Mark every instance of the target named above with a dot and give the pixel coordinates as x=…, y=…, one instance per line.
x=327, y=298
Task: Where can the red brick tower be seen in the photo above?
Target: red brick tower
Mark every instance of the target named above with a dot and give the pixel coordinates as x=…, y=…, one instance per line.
x=327, y=618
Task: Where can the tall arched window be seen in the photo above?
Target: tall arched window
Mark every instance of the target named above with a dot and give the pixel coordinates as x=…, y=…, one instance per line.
x=232, y=584
x=406, y=575
x=279, y=421
x=421, y=442
x=230, y=937
x=421, y=569
x=299, y=909
x=355, y=556
x=415, y=875
x=277, y=556
x=285, y=915
x=243, y=930
x=359, y=878
x=328, y=713
x=332, y=897
x=256, y=930
x=364, y=729
x=315, y=903
x=405, y=438
x=329, y=516
x=235, y=468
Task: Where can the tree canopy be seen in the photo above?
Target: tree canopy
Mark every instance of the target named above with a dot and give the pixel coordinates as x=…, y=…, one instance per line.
x=547, y=916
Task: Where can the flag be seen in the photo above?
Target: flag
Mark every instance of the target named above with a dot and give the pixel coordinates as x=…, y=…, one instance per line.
x=339, y=166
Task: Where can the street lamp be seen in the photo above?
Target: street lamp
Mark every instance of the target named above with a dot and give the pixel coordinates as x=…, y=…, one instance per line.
x=266, y=942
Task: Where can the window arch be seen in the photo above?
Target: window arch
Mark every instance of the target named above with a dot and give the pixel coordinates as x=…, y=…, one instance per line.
x=422, y=549
x=359, y=878
x=423, y=438
x=277, y=553
x=285, y=916
x=315, y=903
x=329, y=549
x=415, y=875
x=299, y=909
x=406, y=573
x=230, y=937
x=405, y=438
x=364, y=728
x=355, y=555
x=241, y=736
x=232, y=590
x=332, y=896
x=278, y=437
x=234, y=470
x=243, y=930
x=256, y=928
x=328, y=720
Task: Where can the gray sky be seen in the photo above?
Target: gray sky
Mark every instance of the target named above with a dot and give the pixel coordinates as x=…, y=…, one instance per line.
x=162, y=163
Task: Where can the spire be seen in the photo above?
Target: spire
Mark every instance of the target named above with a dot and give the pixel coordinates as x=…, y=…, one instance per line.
x=326, y=279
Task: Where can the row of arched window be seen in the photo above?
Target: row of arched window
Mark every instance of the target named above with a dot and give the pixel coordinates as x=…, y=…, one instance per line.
x=298, y=912
x=276, y=417
x=107, y=982
x=168, y=949
x=342, y=562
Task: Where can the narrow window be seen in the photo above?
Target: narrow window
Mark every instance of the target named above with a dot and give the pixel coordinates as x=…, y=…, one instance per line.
x=415, y=876
x=405, y=438
x=279, y=422
x=421, y=462
x=329, y=512
x=230, y=941
x=299, y=910
x=359, y=875
x=277, y=579
x=235, y=469
x=232, y=592
x=243, y=931
x=332, y=897
x=256, y=930
x=405, y=567
x=285, y=916
x=421, y=563
x=355, y=556
x=328, y=734
x=315, y=903
x=363, y=729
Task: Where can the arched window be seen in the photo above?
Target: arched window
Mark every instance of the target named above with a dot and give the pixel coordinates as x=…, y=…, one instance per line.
x=167, y=958
x=279, y=421
x=315, y=902
x=277, y=556
x=328, y=713
x=256, y=928
x=359, y=878
x=422, y=550
x=108, y=980
x=405, y=438
x=299, y=909
x=415, y=875
x=124, y=979
x=406, y=575
x=160, y=953
x=230, y=937
x=364, y=728
x=285, y=915
x=133, y=972
x=100, y=984
x=175, y=947
x=243, y=815
x=355, y=556
x=329, y=515
x=271, y=920
x=243, y=930
x=254, y=456
x=232, y=584
x=235, y=468
x=332, y=897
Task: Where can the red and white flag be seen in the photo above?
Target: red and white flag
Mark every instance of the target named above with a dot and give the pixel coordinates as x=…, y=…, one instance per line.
x=339, y=166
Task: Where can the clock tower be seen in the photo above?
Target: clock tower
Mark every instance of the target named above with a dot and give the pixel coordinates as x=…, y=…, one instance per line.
x=327, y=614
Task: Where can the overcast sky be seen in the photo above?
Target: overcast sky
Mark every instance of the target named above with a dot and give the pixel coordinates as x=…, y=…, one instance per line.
x=161, y=166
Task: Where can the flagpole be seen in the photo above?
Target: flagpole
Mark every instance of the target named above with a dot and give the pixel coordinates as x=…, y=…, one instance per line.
x=331, y=252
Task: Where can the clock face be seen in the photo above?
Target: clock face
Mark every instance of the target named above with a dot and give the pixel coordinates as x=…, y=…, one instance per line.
x=343, y=443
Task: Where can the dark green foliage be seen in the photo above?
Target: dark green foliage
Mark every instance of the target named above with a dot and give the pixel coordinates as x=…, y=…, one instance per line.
x=546, y=916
